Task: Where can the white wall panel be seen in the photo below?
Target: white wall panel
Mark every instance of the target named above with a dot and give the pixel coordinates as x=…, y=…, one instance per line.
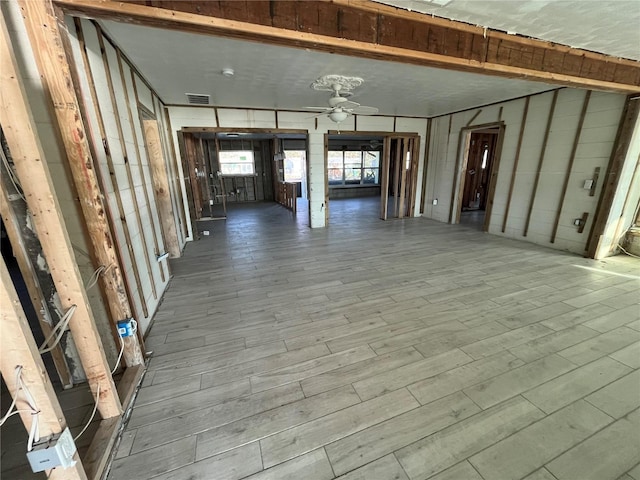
x=231, y=117
x=594, y=149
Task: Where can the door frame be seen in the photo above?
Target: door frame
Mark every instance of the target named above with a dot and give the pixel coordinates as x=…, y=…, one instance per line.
x=384, y=167
x=464, y=143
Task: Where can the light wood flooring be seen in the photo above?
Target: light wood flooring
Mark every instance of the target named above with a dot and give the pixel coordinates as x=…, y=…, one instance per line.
x=406, y=349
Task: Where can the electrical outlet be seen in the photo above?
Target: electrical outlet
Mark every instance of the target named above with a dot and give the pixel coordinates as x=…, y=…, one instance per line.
x=435, y=201
x=58, y=450
x=577, y=222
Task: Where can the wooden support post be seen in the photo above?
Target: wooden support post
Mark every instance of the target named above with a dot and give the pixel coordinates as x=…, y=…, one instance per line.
x=384, y=183
x=31, y=167
x=567, y=174
x=173, y=162
x=50, y=46
x=514, y=171
x=413, y=183
x=161, y=186
x=187, y=185
x=19, y=348
x=406, y=150
x=427, y=147
x=396, y=177
x=26, y=248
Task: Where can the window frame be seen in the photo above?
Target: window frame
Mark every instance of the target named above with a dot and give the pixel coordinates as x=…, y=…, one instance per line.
x=346, y=183
x=252, y=163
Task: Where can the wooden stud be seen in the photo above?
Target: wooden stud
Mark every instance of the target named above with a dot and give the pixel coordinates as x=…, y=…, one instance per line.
x=543, y=151
x=406, y=150
x=396, y=177
x=19, y=348
x=384, y=180
x=464, y=139
x=515, y=163
x=141, y=172
x=383, y=46
x=187, y=184
x=474, y=117
x=123, y=147
x=161, y=186
x=583, y=222
x=612, y=176
x=425, y=169
x=173, y=162
x=31, y=167
x=413, y=181
x=572, y=157
x=114, y=181
x=35, y=279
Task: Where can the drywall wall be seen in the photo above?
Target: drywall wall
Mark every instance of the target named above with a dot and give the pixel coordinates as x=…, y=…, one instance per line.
x=123, y=163
x=539, y=203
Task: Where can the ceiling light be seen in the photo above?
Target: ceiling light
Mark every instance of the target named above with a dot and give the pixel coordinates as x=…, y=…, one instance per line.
x=338, y=116
x=228, y=72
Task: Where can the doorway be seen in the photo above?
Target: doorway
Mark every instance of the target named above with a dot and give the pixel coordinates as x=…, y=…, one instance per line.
x=477, y=175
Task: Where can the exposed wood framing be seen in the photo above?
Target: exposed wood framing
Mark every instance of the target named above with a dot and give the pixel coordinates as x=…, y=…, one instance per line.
x=26, y=248
x=384, y=184
x=413, y=180
x=567, y=175
x=128, y=308
x=31, y=167
x=514, y=171
x=543, y=151
x=130, y=183
x=174, y=173
x=141, y=172
x=161, y=186
x=370, y=30
x=406, y=149
x=19, y=348
x=188, y=185
x=612, y=175
x=425, y=168
x=47, y=34
x=396, y=176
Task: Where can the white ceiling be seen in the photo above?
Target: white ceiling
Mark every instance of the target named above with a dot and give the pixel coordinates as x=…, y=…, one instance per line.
x=605, y=26
x=268, y=76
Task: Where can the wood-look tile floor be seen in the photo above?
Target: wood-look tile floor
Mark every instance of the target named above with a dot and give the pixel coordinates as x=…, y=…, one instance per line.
x=406, y=349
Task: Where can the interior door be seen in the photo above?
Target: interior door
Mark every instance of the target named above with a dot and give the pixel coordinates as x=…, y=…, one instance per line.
x=481, y=152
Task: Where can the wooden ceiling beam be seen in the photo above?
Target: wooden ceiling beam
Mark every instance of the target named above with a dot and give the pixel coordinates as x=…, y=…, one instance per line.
x=378, y=32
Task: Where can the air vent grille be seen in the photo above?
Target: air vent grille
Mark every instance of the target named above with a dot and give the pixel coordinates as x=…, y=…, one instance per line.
x=197, y=99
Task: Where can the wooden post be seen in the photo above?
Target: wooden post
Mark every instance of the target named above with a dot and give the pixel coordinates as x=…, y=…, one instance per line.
x=26, y=248
x=161, y=186
x=384, y=177
x=427, y=147
x=31, y=167
x=48, y=46
x=19, y=348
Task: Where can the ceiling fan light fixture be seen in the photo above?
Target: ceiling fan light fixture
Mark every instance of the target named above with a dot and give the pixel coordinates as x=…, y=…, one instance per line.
x=338, y=117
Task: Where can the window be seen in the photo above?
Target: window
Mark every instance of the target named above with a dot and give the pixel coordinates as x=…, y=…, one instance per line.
x=294, y=163
x=237, y=162
x=353, y=167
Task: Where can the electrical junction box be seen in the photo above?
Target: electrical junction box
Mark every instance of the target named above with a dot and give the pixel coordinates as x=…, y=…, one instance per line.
x=56, y=451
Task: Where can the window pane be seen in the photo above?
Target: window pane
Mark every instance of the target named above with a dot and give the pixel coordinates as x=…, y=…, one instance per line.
x=370, y=176
x=335, y=159
x=372, y=159
x=237, y=162
x=352, y=175
x=335, y=175
x=294, y=165
x=352, y=159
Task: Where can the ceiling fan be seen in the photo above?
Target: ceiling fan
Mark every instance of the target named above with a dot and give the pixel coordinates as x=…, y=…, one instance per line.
x=340, y=107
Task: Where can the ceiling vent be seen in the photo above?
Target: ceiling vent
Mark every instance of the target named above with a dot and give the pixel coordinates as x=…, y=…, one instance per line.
x=197, y=99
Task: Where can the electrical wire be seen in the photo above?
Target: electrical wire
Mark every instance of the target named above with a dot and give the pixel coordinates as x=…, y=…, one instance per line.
x=57, y=331
x=93, y=414
x=628, y=253
x=12, y=176
x=120, y=355
x=34, y=431
x=94, y=277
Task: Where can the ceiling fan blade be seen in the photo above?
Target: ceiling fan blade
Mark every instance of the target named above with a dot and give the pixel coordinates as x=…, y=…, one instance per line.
x=363, y=110
x=322, y=109
x=317, y=115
